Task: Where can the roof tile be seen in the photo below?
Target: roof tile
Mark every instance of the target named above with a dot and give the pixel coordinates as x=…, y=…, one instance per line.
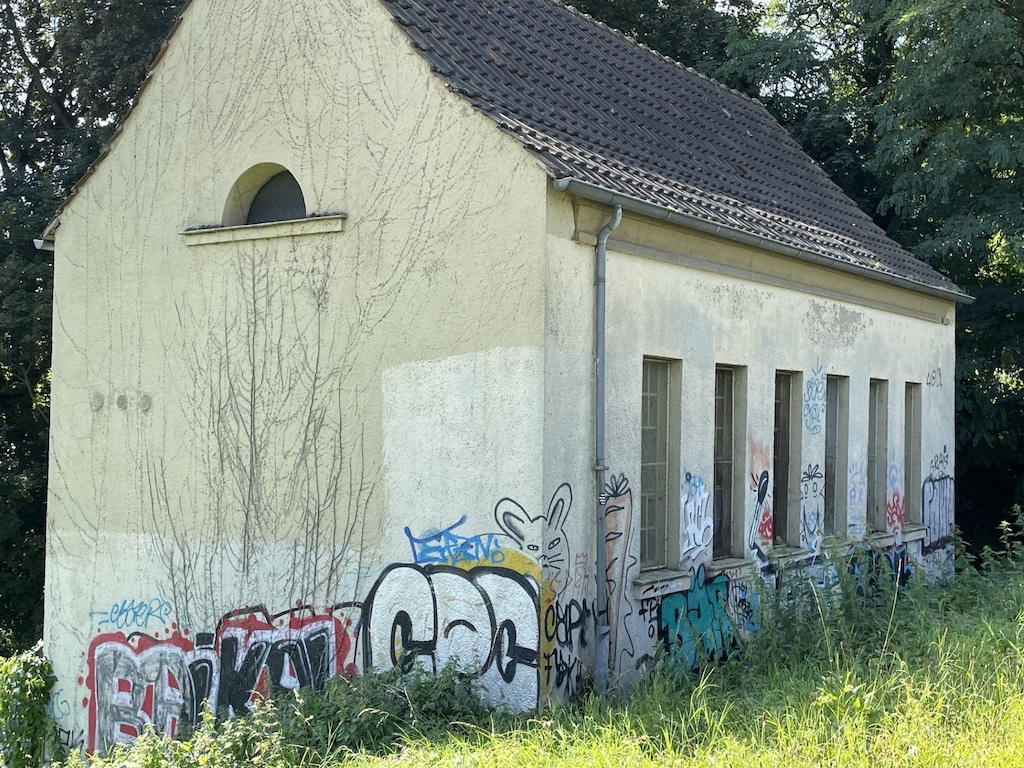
x=596, y=106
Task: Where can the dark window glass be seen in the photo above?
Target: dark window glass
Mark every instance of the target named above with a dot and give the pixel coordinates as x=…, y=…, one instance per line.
x=280, y=199
x=722, y=540
x=831, y=452
x=654, y=469
x=781, y=457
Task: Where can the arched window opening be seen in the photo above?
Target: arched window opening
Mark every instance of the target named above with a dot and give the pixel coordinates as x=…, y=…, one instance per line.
x=280, y=199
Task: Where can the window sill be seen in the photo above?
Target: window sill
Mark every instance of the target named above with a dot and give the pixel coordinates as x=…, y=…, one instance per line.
x=735, y=567
x=661, y=581
x=316, y=225
x=886, y=539
x=915, y=532
x=787, y=555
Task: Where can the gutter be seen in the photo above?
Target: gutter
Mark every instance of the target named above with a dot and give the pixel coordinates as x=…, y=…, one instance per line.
x=606, y=196
x=601, y=653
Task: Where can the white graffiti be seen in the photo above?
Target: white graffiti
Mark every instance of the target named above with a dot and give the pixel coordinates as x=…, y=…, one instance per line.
x=485, y=620
x=697, y=523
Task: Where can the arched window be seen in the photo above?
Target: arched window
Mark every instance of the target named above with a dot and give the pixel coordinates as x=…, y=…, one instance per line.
x=280, y=199
x=265, y=193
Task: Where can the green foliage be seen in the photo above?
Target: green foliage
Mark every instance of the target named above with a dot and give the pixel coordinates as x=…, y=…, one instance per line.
x=951, y=144
x=935, y=677
x=373, y=713
x=26, y=730
x=67, y=70
x=693, y=32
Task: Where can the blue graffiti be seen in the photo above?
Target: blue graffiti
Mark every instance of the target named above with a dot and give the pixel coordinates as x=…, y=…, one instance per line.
x=449, y=548
x=814, y=399
x=698, y=626
x=866, y=567
x=134, y=614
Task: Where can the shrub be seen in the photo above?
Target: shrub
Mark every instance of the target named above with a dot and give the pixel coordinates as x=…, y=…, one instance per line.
x=26, y=730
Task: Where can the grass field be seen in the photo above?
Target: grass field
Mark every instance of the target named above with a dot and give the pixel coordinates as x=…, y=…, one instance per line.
x=933, y=678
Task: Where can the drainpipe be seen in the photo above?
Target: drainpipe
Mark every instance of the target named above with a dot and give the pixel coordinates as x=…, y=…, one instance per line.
x=601, y=660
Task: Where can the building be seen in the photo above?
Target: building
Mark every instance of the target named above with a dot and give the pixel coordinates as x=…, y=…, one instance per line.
x=335, y=386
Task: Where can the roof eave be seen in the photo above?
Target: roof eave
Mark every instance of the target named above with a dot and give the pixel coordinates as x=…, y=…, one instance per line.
x=599, y=194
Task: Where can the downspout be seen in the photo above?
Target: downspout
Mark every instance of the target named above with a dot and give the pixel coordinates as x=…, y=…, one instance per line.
x=601, y=659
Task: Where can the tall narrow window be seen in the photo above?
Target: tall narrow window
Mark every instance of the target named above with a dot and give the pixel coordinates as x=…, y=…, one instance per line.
x=654, y=464
x=912, y=454
x=725, y=469
x=837, y=426
x=782, y=456
x=878, y=438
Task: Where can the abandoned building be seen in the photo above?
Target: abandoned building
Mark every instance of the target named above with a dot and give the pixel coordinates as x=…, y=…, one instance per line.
x=394, y=332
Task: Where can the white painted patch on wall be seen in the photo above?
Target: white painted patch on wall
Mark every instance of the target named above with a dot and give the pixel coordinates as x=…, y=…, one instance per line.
x=461, y=433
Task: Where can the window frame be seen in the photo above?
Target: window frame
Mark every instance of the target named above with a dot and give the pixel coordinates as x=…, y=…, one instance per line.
x=786, y=458
x=665, y=526
x=837, y=449
x=912, y=483
x=729, y=462
x=876, y=489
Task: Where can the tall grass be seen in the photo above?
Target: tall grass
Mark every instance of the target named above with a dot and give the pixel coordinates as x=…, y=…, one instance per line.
x=838, y=676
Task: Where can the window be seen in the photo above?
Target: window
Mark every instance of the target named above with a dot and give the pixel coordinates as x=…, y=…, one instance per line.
x=280, y=199
x=783, y=496
x=912, y=453
x=656, y=452
x=837, y=430
x=264, y=194
x=730, y=422
x=878, y=436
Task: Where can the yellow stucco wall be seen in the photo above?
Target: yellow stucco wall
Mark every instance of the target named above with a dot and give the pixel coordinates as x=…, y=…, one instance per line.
x=701, y=302
x=245, y=422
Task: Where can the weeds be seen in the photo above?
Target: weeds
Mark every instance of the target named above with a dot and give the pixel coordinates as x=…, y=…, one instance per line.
x=849, y=667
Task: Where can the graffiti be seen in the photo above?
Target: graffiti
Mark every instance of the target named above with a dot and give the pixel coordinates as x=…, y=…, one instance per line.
x=649, y=611
x=697, y=524
x=743, y=604
x=814, y=399
x=812, y=506
x=485, y=620
x=618, y=528
x=937, y=497
x=449, y=548
x=134, y=614
x=566, y=623
x=137, y=680
x=894, y=514
x=562, y=671
x=866, y=567
x=58, y=707
x=696, y=625
x=71, y=739
x=543, y=536
x=934, y=378
x=760, y=538
x=940, y=462
x=857, y=485
x=894, y=505
x=580, y=578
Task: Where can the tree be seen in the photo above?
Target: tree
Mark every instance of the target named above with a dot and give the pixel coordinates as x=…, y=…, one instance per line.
x=693, y=32
x=951, y=141
x=67, y=71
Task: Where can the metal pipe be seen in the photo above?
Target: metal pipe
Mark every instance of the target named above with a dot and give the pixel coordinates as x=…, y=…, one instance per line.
x=602, y=656
x=606, y=196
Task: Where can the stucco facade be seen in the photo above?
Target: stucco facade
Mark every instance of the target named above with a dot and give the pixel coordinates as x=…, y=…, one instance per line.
x=286, y=451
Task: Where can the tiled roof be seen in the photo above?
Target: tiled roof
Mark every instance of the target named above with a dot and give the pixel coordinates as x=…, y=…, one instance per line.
x=597, y=107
